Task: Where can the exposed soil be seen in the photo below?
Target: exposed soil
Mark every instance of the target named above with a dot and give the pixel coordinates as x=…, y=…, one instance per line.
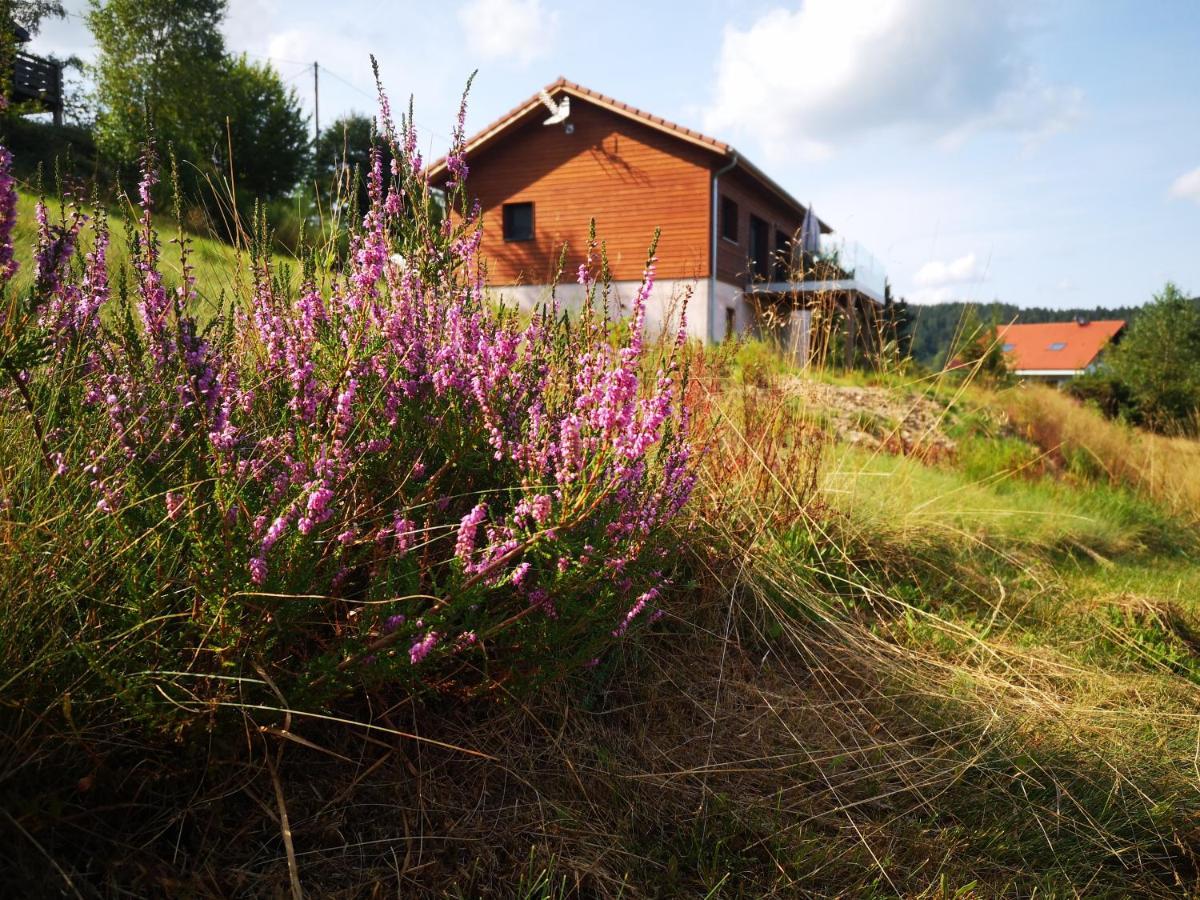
x=880, y=418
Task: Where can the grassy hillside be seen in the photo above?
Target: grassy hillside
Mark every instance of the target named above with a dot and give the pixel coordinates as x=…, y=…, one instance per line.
x=924, y=640
x=214, y=261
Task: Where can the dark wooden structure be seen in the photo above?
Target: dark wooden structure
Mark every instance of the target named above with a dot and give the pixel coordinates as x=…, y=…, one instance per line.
x=34, y=79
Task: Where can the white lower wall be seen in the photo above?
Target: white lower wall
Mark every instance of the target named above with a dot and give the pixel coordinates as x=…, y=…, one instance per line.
x=729, y=299
x=668, y=299
x=705, y=321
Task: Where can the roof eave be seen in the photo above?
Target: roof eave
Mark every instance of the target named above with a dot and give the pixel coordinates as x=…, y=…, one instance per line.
x=718, y=148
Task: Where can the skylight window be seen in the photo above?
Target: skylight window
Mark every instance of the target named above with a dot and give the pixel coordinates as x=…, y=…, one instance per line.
x=1009, y=348
x=1058, y=345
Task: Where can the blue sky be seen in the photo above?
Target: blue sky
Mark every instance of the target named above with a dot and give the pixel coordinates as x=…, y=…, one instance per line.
x=1036, y=153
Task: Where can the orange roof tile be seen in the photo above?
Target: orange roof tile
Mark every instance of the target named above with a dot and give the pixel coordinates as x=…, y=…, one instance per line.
x=1056, y=346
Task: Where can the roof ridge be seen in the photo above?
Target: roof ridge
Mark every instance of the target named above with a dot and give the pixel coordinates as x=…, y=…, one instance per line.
x=682, y=132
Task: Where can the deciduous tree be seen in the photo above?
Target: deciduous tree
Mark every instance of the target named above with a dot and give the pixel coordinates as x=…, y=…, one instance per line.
x=160, y=62
x=267, y=132
x=1159, y=361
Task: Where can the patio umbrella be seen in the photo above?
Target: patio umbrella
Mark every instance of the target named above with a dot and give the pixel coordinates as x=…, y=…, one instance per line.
x=810, y=233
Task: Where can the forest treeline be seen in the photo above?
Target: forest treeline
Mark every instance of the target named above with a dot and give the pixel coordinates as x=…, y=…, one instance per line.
x=932, y=328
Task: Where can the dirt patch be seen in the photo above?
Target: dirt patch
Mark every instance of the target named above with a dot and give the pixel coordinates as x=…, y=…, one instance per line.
x=880, y=418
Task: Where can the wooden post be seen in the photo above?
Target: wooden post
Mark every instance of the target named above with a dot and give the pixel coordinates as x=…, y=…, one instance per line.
x=57, y=108
x=851, y=328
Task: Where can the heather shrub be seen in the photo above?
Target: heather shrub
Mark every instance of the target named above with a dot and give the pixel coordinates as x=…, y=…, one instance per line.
x=359, y=475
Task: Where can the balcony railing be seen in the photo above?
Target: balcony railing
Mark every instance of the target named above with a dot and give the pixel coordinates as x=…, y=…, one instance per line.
x=841, y=265
x=854, y=259
x=39, y=80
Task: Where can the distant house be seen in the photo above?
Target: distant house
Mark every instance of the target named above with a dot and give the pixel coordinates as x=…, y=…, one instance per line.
x=1057, y=351
x=730, y=233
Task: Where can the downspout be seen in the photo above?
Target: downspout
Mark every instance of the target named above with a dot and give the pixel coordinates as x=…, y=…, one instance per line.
x=712, y=259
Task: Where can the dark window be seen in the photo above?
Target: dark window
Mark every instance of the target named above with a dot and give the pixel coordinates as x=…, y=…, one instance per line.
x=1057, y=345
x=783, y=257
x=518, y=221
x=729, y=220
x=730, y=323
x=760, y=249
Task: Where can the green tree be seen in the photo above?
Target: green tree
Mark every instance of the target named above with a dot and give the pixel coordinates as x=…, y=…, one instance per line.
x=979, y=348
x=266, y=130
x=160, y=63
x=342, y=150
x=1159, y=362
x=29, y=14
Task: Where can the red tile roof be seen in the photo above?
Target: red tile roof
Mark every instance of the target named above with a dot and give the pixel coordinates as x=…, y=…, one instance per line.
x=1056, y=346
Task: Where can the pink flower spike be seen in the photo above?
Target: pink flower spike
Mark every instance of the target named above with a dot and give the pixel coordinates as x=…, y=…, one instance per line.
x=421, y=648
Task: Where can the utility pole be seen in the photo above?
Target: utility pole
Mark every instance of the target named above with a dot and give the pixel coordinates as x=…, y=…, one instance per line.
x=316, y=102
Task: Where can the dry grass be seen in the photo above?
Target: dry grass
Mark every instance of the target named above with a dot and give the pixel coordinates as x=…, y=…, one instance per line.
x=837, y=705
x=1165, y=468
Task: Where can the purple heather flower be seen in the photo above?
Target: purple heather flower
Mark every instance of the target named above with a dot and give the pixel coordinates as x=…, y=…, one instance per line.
x=420, y=649
x=8, y=216
x=540, y=508
x=258, y=570
x=519, y=573
x=634, y=611
x=405, y=531
x=465, y=545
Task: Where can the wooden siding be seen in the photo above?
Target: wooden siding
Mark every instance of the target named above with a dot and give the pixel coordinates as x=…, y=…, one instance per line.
x=752, y=199
x=629, y=177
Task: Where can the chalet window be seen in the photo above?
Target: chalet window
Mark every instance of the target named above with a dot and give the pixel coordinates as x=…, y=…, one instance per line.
x=729, y=219
x=1057, y=345
x=518, y=221
x=783, y=258
x=760, y=249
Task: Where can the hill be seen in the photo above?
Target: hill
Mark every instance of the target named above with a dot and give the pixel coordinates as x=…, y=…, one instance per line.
x=214, y=261
x=379, y=591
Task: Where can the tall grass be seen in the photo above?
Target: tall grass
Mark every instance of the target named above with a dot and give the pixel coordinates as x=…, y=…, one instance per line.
x=1087, y=444
x=872, y=675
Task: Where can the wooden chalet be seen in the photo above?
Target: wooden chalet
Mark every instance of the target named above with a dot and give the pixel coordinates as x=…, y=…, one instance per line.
x=730, y=234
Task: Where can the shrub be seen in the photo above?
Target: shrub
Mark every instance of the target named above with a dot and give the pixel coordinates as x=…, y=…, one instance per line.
x=359, y=477
x=1106, y=392
x=1159, y=362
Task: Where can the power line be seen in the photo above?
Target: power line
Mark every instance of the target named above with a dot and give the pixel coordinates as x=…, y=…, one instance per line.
x=347, y=82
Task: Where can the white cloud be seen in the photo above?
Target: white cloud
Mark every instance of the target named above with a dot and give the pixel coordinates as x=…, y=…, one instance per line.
x=1187, y=186
x=514, y=30
x=804, y=80
x=937, y=281
x=936, y=273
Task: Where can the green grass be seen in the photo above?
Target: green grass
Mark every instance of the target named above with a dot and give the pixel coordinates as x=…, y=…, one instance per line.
x=973, y=675
x=990, y=502
x=215, y=262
